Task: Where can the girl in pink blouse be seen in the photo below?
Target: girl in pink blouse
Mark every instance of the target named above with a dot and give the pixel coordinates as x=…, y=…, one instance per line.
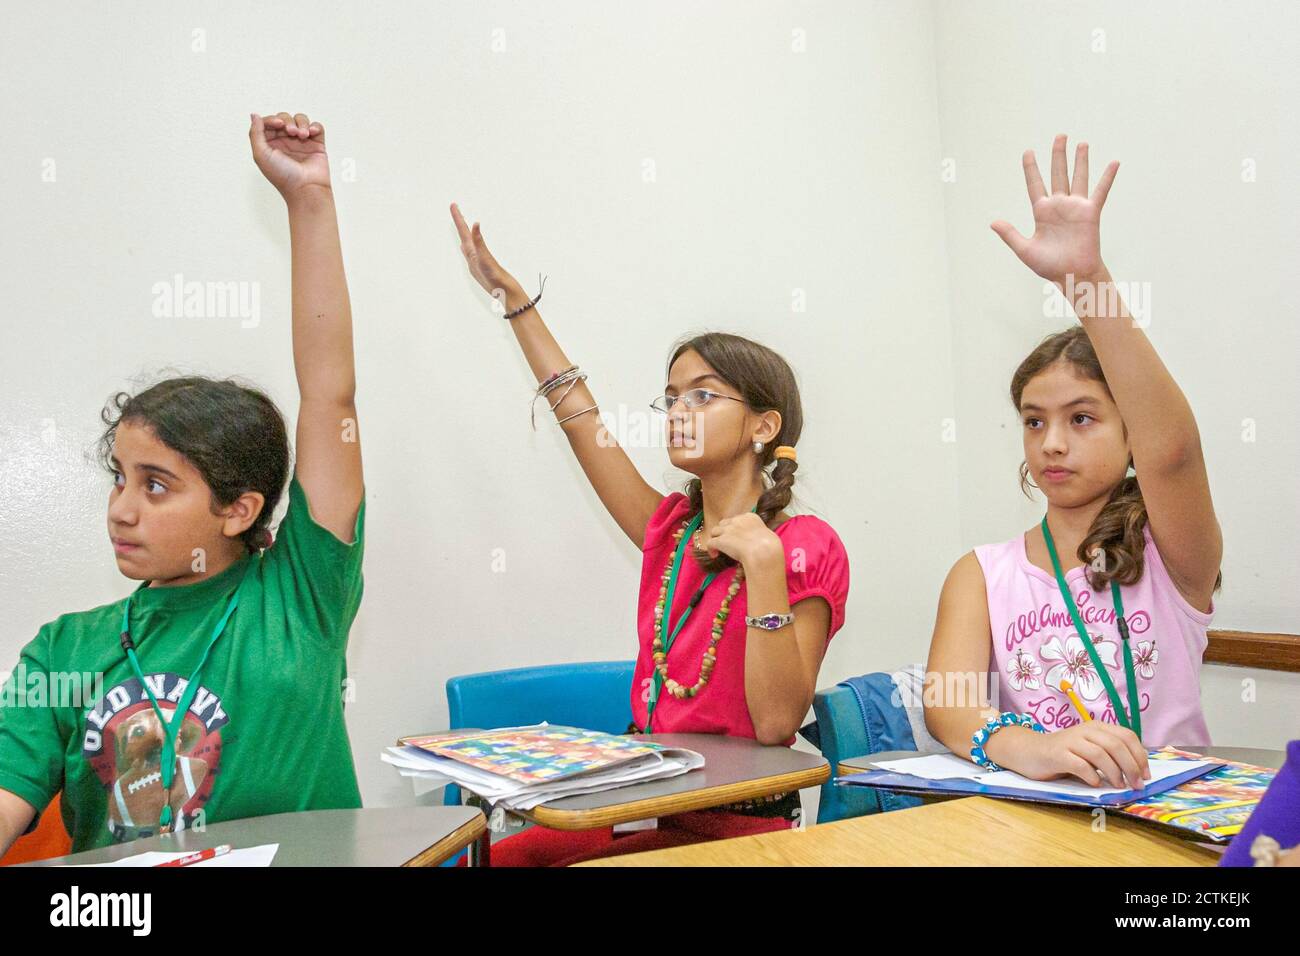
x=1108, y=599
x=738, y=599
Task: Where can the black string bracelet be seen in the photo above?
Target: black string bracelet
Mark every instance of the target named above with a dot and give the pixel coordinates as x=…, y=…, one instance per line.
x=537, y=298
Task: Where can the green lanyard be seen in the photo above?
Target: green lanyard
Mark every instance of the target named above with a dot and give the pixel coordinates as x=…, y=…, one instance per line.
x=167, y=760
x=1123, y=716
x=668, y=639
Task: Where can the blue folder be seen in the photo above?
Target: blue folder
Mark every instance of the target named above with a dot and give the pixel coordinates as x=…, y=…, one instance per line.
x=906, y=783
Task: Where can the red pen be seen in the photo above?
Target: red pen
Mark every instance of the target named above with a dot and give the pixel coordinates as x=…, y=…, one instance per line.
x=198, y=857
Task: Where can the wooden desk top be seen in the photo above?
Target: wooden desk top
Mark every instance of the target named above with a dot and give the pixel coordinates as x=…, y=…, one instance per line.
x=735, y=768
x=377, y=836
x=975, y=831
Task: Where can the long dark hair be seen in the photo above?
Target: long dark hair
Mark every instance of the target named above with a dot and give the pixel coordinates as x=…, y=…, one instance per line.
x=1117, y=529
x=766, y=382
x=232, y=433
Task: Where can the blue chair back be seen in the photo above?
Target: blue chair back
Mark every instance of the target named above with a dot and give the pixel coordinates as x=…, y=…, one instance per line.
x=860, y=716
x=594, y=696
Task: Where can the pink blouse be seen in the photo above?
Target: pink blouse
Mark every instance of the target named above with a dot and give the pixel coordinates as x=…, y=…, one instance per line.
x=816, y=566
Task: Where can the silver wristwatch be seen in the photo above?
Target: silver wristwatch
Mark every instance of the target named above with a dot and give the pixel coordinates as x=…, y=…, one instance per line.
x=770, y=622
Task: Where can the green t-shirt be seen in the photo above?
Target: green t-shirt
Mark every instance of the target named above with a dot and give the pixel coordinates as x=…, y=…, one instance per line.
x=265, y=731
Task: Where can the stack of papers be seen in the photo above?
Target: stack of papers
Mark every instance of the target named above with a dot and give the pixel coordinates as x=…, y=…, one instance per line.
x=517, y=768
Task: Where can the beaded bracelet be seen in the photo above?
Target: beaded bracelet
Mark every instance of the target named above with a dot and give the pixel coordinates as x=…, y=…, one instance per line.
x=991, y=727
x=532, y=302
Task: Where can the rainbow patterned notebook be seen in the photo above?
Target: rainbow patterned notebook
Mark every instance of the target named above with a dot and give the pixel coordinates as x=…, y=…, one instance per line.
x=1213, y=807
x=535, y=754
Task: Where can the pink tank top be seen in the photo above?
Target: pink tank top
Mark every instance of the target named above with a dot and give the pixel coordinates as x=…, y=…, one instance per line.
x=1036, y=646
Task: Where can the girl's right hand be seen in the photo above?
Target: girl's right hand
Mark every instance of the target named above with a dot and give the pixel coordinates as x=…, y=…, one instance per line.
x=1099, y=754
x=483, y=266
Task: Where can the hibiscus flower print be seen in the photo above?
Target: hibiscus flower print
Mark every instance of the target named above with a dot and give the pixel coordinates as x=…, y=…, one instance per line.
x=1072, y=663
x=1146, y=659
x=1023, y=671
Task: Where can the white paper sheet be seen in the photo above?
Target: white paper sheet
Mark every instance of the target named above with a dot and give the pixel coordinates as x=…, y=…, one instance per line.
x=934, y=767
x=248, y=856
x=1159, y=770
x=950, y=766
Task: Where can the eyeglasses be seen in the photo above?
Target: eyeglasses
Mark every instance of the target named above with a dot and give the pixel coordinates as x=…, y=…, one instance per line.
x=695, y=398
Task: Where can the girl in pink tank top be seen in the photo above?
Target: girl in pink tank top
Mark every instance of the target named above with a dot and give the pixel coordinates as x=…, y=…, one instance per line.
x=1036, y=645
x=1089, y=629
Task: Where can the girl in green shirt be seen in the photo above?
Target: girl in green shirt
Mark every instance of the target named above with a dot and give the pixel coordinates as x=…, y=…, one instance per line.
x=214, y=690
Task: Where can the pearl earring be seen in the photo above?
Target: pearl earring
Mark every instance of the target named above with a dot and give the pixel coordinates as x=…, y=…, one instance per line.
x=758, y=448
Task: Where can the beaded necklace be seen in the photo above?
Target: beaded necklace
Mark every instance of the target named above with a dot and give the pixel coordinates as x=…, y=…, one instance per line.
x=663, y=640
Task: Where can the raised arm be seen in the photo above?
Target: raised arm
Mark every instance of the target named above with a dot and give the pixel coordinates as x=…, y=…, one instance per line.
x=1163, y=437
x=290, y=152
x=621, y=489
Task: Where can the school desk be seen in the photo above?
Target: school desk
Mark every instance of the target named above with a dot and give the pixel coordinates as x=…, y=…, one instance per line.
x=374, y=836
x=974, y=831
x=962, y=831
x=735, y=768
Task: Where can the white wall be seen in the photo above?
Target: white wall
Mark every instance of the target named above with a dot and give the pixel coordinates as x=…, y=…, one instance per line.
x=774, y=171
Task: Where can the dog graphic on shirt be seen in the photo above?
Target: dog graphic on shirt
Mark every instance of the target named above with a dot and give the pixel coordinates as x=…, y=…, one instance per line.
x=137, y=797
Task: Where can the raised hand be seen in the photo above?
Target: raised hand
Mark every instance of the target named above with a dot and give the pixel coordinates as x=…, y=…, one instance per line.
x=483, y=266
x=290, y=151
x=1067, y=223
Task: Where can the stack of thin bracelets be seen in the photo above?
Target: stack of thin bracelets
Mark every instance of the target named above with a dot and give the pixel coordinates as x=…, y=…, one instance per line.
x=991, y=727
x=570, y=376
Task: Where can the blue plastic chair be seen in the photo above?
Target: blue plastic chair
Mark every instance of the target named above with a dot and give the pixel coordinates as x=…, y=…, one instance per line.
x=853, y=721
x=841, y=734
x=593, y=696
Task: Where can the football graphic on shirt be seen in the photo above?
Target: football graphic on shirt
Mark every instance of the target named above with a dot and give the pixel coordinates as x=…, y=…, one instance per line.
x=137, y=798
x=123, y=744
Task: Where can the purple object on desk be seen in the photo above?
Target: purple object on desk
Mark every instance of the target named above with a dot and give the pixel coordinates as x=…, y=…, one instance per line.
x=1277, y=816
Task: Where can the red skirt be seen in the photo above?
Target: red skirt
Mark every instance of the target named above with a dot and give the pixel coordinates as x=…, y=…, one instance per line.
x=540, y=846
